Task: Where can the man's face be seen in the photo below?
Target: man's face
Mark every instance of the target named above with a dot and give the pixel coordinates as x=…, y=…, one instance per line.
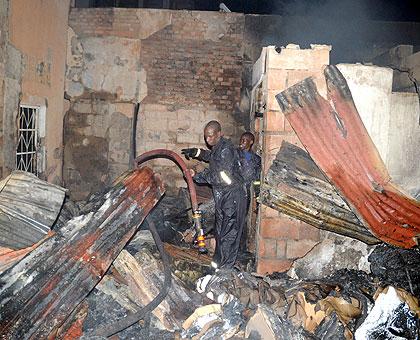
x=245, y=143
x=211, y=136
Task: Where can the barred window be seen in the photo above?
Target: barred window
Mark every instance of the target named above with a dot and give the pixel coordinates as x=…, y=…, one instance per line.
x=26, y=152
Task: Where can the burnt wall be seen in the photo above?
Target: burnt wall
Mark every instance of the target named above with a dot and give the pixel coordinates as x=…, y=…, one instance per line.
x=184, y=68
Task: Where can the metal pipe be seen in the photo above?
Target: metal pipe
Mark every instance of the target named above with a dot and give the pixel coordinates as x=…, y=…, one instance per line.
x=191, y=188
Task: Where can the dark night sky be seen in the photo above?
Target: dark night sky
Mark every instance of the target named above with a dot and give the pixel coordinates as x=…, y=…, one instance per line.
x=387, y=10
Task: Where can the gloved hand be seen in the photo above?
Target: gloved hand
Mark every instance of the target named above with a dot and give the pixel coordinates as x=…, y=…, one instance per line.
x=190, y=153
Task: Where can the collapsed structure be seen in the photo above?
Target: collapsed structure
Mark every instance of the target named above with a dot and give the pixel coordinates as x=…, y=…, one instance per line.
x=134, y=80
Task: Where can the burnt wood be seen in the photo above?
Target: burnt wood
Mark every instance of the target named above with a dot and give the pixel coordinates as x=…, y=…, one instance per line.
x=43, y=289
x=296, y=187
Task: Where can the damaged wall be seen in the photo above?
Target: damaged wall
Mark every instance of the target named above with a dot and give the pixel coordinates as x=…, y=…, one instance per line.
x=184, y=68
x=3, y=46
x=282, y=239
x=34, y=44
x=392, y=120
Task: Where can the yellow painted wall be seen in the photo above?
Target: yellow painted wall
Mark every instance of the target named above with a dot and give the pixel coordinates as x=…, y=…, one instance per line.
x=38, y=29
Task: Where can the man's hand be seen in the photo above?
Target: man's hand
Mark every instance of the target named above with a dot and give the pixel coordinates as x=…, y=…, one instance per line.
x=190, y=153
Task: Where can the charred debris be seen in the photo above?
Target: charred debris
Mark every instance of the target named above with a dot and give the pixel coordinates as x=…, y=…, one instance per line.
x=124, y=265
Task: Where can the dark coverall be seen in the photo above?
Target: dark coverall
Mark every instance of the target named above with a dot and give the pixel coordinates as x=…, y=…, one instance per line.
x=229, y=196
x=250, y=167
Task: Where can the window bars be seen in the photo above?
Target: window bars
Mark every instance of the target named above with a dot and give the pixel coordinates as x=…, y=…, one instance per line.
x=26, y=152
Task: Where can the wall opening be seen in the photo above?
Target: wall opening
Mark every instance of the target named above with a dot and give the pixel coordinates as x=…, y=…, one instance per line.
x=27, y=135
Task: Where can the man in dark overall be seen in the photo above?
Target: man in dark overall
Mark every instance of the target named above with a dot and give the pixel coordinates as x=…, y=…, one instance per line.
x=250, y=166
x=228, y=191
x=250, y=162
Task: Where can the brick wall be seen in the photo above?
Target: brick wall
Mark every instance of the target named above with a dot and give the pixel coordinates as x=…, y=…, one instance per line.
x=282, y=239
x=185, y=68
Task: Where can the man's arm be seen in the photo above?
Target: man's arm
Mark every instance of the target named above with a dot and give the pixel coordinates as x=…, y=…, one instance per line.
x=200, y=154
x=222, y=169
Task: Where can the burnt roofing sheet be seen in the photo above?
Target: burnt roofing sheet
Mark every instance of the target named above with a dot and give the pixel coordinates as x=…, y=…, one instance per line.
x=337, y=140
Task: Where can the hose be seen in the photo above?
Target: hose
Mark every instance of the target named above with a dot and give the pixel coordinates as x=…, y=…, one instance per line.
x=133, y=146
x=196, y=215
x=120, y=325
x=180, y=162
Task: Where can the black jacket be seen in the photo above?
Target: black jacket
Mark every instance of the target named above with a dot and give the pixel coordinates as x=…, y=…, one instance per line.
x=224, y=167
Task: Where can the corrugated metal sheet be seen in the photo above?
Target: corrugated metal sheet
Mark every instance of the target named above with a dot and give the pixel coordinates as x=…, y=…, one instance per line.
x=28, y=208
x=337, y=140
x=295, y=186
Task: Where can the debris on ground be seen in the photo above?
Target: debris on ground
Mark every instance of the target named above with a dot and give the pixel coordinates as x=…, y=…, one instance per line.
x=394, y=316
x=39, y=293
x=229, y=304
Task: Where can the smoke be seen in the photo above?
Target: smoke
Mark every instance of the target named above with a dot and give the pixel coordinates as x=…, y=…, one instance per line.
x=347, y=25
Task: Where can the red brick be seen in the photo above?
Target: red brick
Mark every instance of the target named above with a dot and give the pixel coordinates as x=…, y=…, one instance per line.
x=281, y=249
x=298, y=248
x=267, y=248
x=272, y=104
x=273, y=141
x=268, y=160
x=275, y=121
x=296, y=76
x=267, y=212
x=276, y=79
x=279, y=228
x=257, y=123
x=287, y=126
x=269, y=266
x=308, y=232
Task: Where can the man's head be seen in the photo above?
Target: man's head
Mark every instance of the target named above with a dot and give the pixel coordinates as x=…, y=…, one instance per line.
x=212, y=133
x=246, y=141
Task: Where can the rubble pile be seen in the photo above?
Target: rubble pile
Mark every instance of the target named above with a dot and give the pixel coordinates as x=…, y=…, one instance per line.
x=235, y=304
x=201, y=303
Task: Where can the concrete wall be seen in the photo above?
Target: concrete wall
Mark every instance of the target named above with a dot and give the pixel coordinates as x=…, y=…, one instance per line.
x=392, y=121
x=3, y=45
x=404, y=142
x=34, y=67
x=371, y=88
x=184, y=68
x=11, y=70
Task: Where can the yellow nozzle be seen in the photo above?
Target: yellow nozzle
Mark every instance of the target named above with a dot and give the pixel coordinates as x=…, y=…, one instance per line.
x=200, y=239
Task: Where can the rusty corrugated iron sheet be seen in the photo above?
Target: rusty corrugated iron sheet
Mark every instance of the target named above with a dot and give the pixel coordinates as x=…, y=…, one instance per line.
x=334, y=135
x=39, y=293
